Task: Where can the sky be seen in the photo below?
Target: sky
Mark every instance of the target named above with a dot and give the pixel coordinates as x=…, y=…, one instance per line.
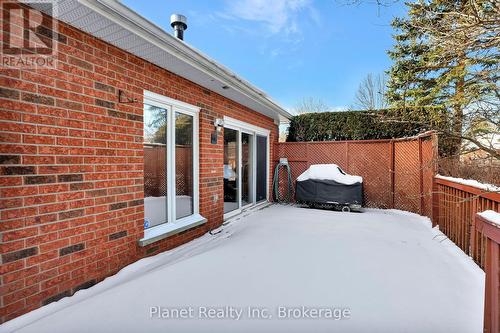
x=291, y=49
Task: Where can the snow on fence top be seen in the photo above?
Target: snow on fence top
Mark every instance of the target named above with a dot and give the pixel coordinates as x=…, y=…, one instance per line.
x=329, y=172
x=491, y=216
x=471, y=182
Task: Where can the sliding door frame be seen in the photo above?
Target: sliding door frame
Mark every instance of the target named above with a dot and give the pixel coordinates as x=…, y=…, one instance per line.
x=243, y=127
x=253, y=169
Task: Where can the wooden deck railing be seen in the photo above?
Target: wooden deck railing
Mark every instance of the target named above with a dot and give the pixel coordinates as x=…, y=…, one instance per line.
x=491, y=234
x=455, y=208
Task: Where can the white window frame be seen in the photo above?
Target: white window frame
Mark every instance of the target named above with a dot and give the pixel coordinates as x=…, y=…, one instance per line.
x=173, y=225
x=243, y=127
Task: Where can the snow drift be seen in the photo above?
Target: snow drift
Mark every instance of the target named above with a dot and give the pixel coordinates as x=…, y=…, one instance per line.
x=391, y=270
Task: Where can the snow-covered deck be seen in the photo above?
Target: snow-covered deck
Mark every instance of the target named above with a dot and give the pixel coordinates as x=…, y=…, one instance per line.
x=389, y=269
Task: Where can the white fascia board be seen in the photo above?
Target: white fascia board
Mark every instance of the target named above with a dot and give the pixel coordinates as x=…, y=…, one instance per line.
x=132, y=21
x=241, y=125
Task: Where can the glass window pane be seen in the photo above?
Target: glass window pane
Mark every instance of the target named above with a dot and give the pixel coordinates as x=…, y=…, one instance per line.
x=183, y=165
x=155, y=167
x=261, y=168
x=246, y=168
x=230, y=170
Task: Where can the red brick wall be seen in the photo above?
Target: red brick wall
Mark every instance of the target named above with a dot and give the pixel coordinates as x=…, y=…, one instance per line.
x=71, y=168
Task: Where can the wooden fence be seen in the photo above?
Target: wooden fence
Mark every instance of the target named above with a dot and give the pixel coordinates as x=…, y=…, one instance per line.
x=455, y=208
x=400, y=174
x=155, y=169
x=490, y=232
x=397, y=173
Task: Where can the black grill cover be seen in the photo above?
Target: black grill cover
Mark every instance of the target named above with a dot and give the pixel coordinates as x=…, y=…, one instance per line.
x=328, y=191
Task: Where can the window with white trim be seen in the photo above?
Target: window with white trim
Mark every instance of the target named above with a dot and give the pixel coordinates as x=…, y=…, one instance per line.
x=170, y=162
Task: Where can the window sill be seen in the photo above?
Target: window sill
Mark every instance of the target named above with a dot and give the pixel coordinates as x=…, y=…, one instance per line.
x=165, y=230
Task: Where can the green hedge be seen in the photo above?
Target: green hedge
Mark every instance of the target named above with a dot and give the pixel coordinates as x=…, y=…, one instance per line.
x=365, y=125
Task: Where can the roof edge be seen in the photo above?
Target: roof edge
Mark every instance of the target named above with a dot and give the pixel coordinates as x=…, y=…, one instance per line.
x=129, y=19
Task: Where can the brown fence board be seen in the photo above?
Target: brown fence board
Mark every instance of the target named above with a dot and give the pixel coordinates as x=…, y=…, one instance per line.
x=490, y=232
x=396, y=173
x=457, y=205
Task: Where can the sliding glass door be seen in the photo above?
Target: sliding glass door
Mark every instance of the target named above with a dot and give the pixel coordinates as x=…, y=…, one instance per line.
x=246, y=169
x=245, y=165
x=261, y=165
x=231, y=170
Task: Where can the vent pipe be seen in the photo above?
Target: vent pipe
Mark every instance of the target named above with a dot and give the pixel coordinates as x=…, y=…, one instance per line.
x=179, y=23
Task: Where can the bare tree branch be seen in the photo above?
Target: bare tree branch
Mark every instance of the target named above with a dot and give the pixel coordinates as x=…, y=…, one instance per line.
x=311, y=105
x=371, y=93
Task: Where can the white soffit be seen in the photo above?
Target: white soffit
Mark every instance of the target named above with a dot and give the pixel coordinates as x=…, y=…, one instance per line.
x=118, y=25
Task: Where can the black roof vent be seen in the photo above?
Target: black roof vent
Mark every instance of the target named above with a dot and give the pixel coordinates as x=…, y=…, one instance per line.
x=179, y=23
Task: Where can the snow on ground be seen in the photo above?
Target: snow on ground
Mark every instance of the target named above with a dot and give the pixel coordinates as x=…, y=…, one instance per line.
x=329, y=172
x=384, y=270
x=492, y=216
x=471, y=182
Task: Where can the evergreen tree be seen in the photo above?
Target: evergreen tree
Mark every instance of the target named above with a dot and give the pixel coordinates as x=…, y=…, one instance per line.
x=446, y=54
x=408, y=83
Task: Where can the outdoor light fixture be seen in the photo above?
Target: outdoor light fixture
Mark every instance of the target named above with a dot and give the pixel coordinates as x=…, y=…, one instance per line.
x=218, y=123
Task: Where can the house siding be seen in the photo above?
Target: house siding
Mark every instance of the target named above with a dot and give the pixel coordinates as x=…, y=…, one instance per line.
x=71, y=168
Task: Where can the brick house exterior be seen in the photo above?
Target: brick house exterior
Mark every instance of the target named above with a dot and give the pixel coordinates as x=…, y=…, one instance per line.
x=71, y=173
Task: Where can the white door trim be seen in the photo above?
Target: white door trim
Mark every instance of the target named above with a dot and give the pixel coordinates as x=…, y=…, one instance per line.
x=243, y=127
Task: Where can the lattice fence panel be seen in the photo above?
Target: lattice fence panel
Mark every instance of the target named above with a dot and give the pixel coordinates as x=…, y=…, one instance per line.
x=294, y=151
x=397, y=173
x=372, y=161
x=429, y=165
x=297, y=168
x=328, y=152
x=183, y=170
x=155, y=183
x=155, y=170
x=407, y=176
